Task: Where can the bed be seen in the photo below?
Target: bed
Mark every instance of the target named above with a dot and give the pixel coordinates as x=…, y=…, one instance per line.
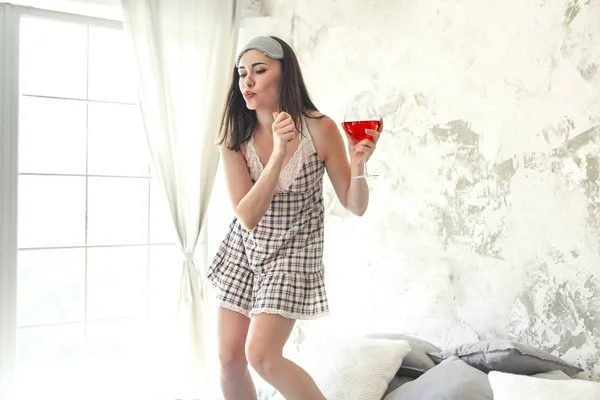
x=386, y=366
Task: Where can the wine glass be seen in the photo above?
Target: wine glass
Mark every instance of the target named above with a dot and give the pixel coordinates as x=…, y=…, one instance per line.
x=361, y=115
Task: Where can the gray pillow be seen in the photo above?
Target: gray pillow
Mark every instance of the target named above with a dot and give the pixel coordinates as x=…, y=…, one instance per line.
x=507, y=356
x=452, y=379
x=396, y=382
x=417, y=361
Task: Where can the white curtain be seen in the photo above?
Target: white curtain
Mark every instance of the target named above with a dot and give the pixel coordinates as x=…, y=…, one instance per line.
x=184, y=53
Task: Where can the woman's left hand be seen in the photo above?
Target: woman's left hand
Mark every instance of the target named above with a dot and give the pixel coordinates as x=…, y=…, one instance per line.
x=361, y=151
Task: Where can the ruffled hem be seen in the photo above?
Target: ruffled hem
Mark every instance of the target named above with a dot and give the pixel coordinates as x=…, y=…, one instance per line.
x=291, y=295
x=285, y=314
x=235, y=308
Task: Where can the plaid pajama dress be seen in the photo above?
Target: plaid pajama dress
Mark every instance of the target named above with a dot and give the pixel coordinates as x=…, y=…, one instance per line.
x=278, y=266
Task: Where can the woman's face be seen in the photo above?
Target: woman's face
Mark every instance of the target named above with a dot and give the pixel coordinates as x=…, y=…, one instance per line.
x=259, y=80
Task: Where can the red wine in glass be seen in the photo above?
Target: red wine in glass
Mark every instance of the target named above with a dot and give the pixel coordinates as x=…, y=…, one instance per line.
x=360, y=116
x=358, y=129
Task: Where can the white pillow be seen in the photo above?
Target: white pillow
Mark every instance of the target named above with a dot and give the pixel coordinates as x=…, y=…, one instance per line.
x=520, y=387
x=352, y=368
x=556, y=375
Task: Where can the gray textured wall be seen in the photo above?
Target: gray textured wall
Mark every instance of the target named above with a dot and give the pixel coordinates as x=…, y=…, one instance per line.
x=485, y=223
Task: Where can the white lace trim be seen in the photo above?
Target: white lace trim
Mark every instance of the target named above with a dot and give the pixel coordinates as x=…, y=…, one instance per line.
x=294, y=165
x=265, y=310
x=285, y=314
x=256, y=167
x=235, y=308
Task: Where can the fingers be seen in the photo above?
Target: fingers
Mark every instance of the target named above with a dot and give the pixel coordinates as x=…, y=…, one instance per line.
x=281, y=120
x=364, y=149
x=375, y=134
x=280, y=116
x=283, y=127
x=288, y=136
x=367, y=143
x=365, y=146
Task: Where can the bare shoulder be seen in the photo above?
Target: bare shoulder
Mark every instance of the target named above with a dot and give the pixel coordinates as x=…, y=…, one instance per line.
x=325, y=133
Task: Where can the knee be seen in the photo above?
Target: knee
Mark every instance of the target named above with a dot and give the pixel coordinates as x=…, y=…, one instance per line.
x=262, y=358
x=232, y=362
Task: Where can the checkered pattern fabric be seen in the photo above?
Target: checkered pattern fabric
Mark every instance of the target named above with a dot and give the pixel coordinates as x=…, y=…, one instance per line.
x=278, y=266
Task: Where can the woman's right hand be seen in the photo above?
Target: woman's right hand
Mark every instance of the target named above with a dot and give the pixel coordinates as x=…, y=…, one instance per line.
x=284, y=131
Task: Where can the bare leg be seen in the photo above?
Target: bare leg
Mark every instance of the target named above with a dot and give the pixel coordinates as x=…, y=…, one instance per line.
x=236, y=382
x=264, y=349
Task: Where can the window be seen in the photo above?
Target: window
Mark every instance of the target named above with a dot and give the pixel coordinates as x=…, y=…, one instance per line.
x=92, y=248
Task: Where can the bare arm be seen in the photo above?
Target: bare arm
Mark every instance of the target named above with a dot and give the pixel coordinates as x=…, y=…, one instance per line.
x=250, y=202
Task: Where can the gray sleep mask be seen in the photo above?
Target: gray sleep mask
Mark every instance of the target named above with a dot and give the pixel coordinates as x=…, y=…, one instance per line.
x=266, y=45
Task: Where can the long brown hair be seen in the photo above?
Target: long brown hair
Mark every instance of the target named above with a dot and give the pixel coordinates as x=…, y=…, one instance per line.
x=238, y=122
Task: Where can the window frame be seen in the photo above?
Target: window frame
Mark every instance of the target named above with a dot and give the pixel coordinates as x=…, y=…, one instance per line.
x=253, y=21
x=10, y=18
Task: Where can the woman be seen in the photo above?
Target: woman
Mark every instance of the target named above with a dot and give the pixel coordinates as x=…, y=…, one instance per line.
x=268, y=272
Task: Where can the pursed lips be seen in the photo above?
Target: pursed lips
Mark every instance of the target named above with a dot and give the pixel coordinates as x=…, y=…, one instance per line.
x=248, y=94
